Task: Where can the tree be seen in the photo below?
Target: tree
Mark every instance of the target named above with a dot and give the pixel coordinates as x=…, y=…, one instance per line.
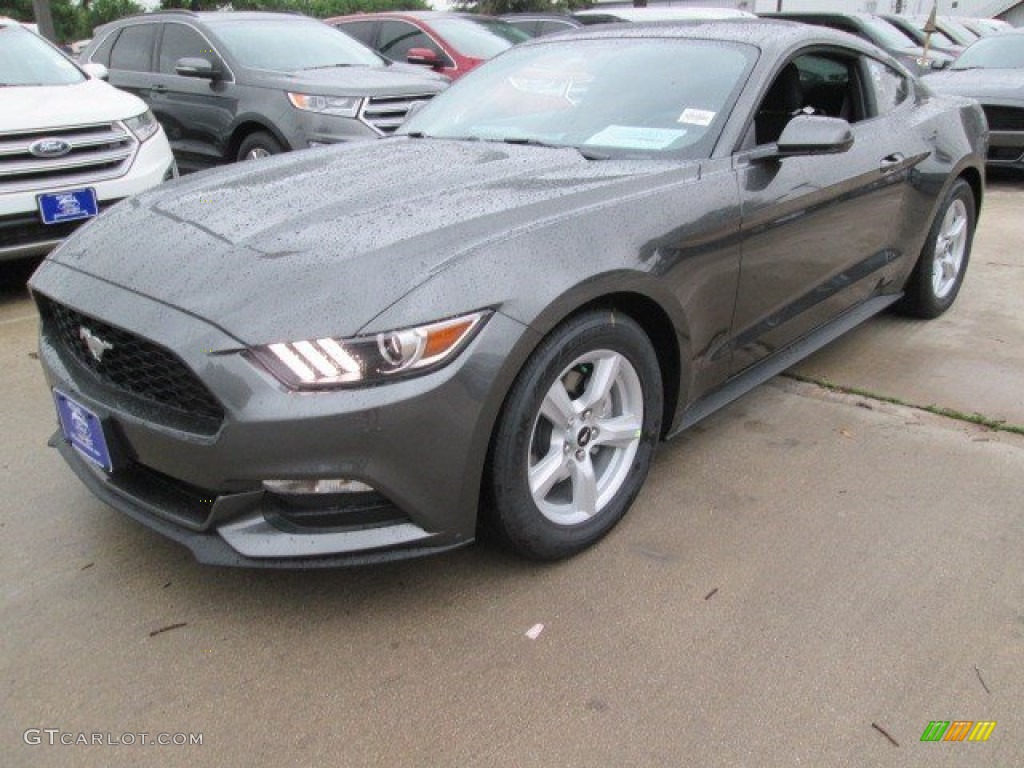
x=104, y=11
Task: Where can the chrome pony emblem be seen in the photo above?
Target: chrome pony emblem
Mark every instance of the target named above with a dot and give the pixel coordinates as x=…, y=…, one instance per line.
x=94, y=343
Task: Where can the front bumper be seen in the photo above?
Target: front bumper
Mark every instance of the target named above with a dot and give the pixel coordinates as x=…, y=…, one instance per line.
x=420, y=444
x=22, y=233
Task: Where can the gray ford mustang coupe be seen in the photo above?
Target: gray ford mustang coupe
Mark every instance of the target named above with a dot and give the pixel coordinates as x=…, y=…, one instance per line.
x=582, y=248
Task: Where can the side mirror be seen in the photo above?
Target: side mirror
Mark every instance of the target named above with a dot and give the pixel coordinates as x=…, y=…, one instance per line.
x=200, y=68
x=423, y=56
x=809, y=135
x=96, y=71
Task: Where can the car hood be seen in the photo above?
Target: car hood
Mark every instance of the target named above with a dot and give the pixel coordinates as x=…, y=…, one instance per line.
x=319, y=242
x=44, y=107
x=980, y=83
x=392, y=80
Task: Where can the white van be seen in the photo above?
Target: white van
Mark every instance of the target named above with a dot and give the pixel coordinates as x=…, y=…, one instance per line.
x=70, y=144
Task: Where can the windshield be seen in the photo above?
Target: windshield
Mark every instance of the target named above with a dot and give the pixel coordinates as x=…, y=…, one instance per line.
x=993, y=53
x=620, y=97
x=284, y=45
x=885, y=35
x=478, y=38
x=26, y=59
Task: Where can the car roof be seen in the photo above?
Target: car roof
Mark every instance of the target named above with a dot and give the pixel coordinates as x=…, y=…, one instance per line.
x=763, y=33
x=418, y=15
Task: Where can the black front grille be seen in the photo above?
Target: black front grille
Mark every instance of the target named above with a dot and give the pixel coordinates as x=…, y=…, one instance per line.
x=136, y=367
x=1004, y=118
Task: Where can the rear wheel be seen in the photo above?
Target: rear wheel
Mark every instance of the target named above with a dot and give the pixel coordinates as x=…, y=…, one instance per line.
x=259, y=145
x=576, y=437
x=935, y=282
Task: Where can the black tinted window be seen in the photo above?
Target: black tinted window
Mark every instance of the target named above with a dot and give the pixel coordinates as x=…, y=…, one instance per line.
x=133, y=50
x=360, y=30
x=181, y=42
x=397, y=38
x=102, y=54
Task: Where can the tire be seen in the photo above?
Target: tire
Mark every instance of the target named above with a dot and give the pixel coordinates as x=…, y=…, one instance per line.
x=935, y=282
x=556, y=486
x=257, y=146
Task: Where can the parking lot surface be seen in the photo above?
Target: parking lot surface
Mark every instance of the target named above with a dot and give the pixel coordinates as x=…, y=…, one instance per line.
x=809, y=577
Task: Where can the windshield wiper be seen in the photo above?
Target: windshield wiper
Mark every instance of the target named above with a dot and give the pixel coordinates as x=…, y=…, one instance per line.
x=325, y=66
x=589, y=154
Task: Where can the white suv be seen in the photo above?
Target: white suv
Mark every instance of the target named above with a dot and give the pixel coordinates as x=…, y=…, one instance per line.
x=70, y=144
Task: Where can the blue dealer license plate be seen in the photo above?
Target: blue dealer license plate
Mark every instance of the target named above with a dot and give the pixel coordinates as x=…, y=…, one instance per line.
x=58, y=207
x=83, y=429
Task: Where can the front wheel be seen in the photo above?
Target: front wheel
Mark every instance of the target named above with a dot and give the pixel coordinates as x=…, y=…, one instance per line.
x=576, y=436
x=257, y=146
x=935, y=282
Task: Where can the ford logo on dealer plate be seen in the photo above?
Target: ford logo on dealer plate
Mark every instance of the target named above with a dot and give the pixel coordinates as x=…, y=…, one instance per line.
x=49, y=148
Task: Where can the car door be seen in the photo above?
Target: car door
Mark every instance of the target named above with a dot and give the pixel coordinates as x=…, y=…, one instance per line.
x=131, y=59
x=818, y=231
x=196, y=113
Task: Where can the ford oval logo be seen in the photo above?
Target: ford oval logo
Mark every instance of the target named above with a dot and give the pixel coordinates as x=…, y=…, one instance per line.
x=49, y=148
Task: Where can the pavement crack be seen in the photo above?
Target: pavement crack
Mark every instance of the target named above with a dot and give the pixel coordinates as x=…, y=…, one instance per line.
x=978, y=419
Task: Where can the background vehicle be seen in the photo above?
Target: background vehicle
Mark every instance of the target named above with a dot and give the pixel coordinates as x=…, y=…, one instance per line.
x=937, y=42
x=651, y=13
x=70, y=145
x=877, y=31
x=540, y=24
x=450, y=43
x=669, y=223
x=985, y=27
x=991, y=70
x=951, y=27
x=235, y=86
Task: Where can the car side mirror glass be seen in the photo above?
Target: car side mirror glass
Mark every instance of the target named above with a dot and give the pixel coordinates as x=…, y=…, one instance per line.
x=809, y=135
x=423, y=56
x=96, y=71
x=201, y=68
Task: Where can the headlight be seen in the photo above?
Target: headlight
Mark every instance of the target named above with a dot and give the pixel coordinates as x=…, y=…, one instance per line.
x=330, y=363
x=342, y=106
x=143, y=126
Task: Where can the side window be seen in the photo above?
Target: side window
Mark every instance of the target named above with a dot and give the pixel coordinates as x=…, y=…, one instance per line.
x=397, y=38
x=360, y=30
x=133, y=50
x=102, y=54
x=890, y=87
x=813, y=84
x=529, y=26
x=182, y=42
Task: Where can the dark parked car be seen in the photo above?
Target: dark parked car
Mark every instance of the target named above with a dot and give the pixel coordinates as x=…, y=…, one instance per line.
x=235, y=86
x=878, y=31
x=540, y=24
x=951, y=27
x=589, y=245
x=992, y=71
x=450, y=43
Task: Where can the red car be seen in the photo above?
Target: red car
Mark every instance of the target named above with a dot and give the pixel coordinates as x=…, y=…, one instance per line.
x=450, y=43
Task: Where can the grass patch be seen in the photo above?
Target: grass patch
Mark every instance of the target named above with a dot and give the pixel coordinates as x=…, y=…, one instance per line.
x=980, y=419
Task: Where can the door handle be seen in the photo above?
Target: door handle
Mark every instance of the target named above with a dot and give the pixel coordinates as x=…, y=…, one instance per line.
x=891, y=162
x=158, y=88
